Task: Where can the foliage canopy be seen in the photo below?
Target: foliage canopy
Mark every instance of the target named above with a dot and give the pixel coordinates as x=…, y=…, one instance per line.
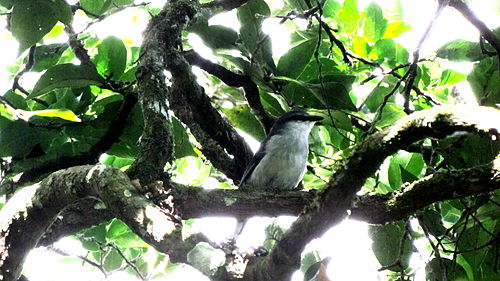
x=109, y=101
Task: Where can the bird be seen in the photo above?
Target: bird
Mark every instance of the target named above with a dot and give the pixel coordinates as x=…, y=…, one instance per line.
x=280, y=163
x=317, y=271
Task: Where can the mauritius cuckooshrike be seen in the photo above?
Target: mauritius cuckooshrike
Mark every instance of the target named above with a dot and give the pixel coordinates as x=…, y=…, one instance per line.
x=280, y=163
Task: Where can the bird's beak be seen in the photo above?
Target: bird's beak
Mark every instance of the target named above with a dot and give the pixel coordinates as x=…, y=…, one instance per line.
x=315, y=118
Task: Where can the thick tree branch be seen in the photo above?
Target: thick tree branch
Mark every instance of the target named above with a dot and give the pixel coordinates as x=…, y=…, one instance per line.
x=25, y=218
x=380, y=209
x=162, y=44
x=195, y=202
x=332, y=204
x=235, y=80
x=77, y=217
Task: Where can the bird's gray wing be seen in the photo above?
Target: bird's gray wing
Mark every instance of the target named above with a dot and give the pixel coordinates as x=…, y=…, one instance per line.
x=253, y=163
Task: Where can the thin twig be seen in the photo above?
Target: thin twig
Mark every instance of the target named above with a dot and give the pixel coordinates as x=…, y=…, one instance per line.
x=84, y=259
x=133, y=266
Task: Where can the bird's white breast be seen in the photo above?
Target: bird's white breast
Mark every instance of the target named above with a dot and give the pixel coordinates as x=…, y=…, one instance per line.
x=285, y=161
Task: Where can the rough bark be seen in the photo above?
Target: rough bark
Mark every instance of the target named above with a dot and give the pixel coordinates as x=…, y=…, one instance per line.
x=32, y=210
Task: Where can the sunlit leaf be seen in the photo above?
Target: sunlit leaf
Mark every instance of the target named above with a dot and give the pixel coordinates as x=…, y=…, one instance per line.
x=242, y=118
x=461, y=50
x=375, y=23
x=349, y=16
x=396, y=28
x=65, y=114
x=182, y=146
x=111, y=58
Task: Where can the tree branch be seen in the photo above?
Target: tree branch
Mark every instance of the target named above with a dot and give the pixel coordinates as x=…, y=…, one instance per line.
x=486, y=33
x=196, y=202
x=111, y=136
x=188, y=101
x=24, y=219
x=234, y=80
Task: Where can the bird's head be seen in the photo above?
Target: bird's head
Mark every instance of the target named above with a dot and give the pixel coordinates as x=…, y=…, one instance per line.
x=295, y=119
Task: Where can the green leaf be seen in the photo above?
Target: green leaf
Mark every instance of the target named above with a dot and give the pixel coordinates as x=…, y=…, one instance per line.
x=308, y=260
x=112, y=261
x=386, y=244
x=18, y=139
x=461, y=50
x=312, y=70
x=47, y=56
x=471, y=243
x=406, y=176
x=439, y=269
x=349, y=16
x=394, y=29
x=299, y=5
x=96, y=6
x=182, y=145
x=242, y=118
x=42, y=17
x=485, y=81
x=111, y=58
x=450, y=77
x=330, y=9
x=62, y=11
x=390, y=114
x=332, y=93
x=65, y=114
x=216, y=36
x=375, y=23
x=97, y=232
x=411, y=163
x=434, y=222
x=7, y=3
x=386, y=48
x=129, y=240
x=359, y=46
x=116, y=228
x=251, y=15
x=296, y=59
x=376, y=97
x=118, y=162
x=66, y=75
x=17, y=100
x=122, y=2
